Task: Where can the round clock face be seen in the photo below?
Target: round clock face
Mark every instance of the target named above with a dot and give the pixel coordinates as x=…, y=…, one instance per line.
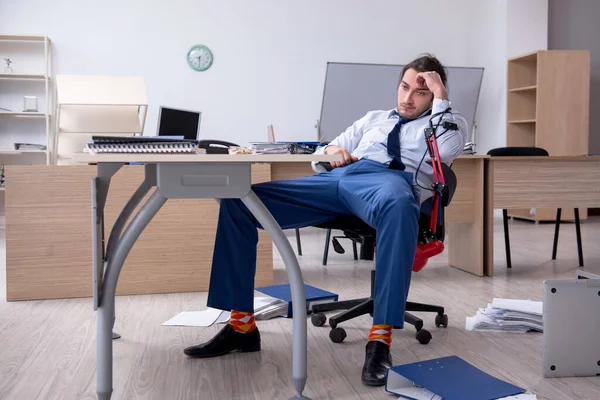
x=200, y=58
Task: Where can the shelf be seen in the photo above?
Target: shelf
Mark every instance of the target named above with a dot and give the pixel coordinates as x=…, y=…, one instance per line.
x=17, y=152
x=524, y=89
x=525, y=57
x=33, y=78
x=40, y=77
x=522, y=72
x=22, y=38
x=522, y=121
x=521, y=134
x=23, y=114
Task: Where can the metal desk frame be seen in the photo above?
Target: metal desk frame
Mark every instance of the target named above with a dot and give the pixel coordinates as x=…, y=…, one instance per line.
x=219, y=179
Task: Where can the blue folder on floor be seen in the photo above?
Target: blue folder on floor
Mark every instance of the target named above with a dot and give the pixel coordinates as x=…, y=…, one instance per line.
x=447, y=378
x=283, y=292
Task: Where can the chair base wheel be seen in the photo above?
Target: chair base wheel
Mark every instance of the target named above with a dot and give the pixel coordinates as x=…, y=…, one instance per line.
x=318, y=319
x=441, y=321
x=423, y=336
x=337, y=335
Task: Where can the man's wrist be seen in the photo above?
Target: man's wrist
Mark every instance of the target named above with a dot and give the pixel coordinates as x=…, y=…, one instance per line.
x=328, y=147
x=441, y=94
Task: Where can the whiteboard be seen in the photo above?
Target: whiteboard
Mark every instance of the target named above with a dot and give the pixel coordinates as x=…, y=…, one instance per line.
x=351, y=90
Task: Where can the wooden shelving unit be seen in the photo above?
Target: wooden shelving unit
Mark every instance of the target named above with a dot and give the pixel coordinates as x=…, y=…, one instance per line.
x=30, y=76
x=548, y=107
x=23, y=76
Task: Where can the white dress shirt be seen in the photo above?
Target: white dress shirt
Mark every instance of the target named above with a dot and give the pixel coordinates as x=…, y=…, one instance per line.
x=367, y=138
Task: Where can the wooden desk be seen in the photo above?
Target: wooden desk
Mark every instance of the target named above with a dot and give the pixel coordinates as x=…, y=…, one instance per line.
x=48, y=242
x=527, y=182
x=48, y=251
x=464, y=216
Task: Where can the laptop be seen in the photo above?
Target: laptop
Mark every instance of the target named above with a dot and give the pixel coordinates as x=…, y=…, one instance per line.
x=571, y=339
x=177, y=122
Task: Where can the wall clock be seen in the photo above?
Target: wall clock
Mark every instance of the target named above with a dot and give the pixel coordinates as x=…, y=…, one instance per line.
x=199, y=58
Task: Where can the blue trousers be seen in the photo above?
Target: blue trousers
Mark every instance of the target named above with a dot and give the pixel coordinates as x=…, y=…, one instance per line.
x=382, y=197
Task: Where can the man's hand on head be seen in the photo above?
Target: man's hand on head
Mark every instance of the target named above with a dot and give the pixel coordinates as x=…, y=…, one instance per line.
x=348, y=158
x=434, y=83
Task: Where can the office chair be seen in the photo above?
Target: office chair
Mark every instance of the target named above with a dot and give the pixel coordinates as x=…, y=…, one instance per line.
x=430, y=243
x=516, y=151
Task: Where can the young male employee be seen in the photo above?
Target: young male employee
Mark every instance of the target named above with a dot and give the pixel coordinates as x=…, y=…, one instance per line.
x=376, y=181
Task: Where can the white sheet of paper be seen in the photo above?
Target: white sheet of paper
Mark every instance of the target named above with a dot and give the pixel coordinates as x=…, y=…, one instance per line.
x=263, y=302
x=224, y=317
x=527, y=306
x=524, y=396
x=195, y=318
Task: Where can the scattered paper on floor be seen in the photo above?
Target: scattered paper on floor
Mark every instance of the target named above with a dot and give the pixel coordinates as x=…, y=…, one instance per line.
x=508, y=315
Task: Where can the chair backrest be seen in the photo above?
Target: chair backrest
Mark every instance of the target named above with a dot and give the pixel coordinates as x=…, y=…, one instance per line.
x=451, y=183
x=517, y=151
x=447, y=195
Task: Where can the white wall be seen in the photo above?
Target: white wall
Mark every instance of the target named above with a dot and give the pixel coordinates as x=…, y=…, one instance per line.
x=270, y=55
x=527, y=23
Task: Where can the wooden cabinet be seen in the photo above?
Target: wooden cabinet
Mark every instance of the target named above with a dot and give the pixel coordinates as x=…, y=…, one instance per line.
x=548, y=106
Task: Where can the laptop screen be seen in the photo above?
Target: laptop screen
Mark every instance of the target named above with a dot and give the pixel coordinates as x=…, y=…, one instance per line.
x=173, y=122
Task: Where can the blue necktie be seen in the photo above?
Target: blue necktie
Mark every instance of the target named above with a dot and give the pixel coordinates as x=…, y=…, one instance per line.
x=393, y=143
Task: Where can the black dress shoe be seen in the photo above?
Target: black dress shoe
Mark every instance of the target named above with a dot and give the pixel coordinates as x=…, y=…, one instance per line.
x=377, y=360
x=226, y=341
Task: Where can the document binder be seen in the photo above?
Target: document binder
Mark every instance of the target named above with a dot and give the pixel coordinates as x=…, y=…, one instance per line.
x=448, y=378
x=141, y=144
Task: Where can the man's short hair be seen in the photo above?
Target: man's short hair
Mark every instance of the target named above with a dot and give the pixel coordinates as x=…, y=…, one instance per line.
x=426, y=62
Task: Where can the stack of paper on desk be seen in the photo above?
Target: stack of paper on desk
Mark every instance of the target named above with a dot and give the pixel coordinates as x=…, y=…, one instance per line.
x=272, y=147
x=508, y=315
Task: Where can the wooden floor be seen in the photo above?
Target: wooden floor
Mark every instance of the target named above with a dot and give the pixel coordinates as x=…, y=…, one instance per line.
x=48, y=349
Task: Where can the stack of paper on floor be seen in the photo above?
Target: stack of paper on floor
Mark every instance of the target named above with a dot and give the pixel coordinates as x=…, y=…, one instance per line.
x=276, y=303
x=447, y=378
x=508, y=315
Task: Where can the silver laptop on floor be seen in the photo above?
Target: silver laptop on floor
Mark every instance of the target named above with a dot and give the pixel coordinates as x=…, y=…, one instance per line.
x=571, y=342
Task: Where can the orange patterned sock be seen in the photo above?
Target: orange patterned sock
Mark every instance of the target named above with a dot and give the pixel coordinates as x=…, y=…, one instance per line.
x=382, y=333
x=242, y=322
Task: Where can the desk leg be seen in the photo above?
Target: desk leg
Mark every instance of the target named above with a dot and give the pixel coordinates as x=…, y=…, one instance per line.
x=134, y=201
x=265, y=218
x=465, y=220
x=106, y=310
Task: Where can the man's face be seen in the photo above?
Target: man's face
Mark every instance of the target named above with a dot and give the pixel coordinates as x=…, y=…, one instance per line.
x=414, y=98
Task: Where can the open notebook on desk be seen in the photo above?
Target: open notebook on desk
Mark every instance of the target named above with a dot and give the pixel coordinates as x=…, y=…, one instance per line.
x=142, y=144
